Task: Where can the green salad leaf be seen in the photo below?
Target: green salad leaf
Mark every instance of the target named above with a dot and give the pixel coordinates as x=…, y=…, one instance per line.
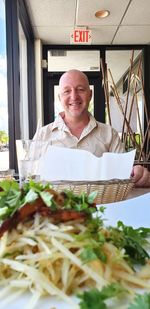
x=140, y=302
x=10, y=195
x=95, y=299
x=94, y=239
x=80, y=202
x=132, y=240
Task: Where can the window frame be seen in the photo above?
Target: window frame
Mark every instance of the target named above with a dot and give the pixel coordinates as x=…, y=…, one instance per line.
x=16, y=10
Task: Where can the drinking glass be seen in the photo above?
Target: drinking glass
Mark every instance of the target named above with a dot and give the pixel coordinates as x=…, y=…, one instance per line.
x=29, y=153
x=7, y=174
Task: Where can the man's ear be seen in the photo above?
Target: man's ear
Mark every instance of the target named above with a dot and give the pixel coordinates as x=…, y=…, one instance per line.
x=59, y=96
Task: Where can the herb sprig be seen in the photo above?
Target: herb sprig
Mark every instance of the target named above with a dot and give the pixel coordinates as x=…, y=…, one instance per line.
x=96, y=299
x=13, y=198
x=132, y=240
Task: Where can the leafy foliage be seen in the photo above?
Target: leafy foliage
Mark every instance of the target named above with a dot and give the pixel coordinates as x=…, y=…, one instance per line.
x=9, y=198
x=132, y=240
x=3, y=137
x=141, y=302
x=80, y=202
x=95, y=239
x=95, y=299
x=12, y=197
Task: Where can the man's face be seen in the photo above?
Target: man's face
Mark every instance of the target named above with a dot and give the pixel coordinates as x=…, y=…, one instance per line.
x=75, y=94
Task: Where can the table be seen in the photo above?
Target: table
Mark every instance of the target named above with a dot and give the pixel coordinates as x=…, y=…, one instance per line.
x=137, y=192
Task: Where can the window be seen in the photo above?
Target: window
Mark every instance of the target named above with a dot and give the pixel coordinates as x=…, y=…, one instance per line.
x=20, y=76
x=63, y=60
x=24, y=119
x=126, y=98
x=4, y=151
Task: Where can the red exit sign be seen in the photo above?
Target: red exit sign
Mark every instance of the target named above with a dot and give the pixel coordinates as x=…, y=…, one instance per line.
x=81, y=36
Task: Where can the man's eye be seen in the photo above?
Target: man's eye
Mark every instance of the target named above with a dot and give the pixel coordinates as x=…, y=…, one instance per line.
x=81, y=89
x=66, y=91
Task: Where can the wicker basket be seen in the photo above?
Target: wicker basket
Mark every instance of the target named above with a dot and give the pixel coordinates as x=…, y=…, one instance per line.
x=108, y=191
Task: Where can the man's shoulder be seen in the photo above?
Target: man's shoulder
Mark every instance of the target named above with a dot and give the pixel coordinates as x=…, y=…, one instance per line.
x=47, y=127
x=44, y=132
x=105, y=126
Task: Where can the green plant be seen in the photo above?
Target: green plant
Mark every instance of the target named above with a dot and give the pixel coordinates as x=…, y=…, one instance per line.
x=3, y=137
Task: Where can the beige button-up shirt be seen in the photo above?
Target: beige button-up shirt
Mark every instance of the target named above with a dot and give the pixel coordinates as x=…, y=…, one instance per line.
x=96, y=137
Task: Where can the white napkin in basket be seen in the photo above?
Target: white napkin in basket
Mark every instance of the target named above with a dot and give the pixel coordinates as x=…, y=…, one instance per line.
x=60, y=163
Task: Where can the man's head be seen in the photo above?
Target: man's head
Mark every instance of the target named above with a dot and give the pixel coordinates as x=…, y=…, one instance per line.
x=74, y=93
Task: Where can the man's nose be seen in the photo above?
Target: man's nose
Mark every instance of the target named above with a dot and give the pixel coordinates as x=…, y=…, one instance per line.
x=74, y=93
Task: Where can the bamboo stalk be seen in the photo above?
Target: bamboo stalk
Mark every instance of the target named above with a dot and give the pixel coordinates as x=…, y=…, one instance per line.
x=127, y=123
x=146, y=115
x=129, y=82
x=147, y=132
x=138, y=116
x=115, y=92
x=148, y=157
x=106, y=89
x=147, y=146
x=145, y=106
x=132, y=102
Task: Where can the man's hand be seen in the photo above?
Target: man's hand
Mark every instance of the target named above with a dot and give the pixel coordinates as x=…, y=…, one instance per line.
x=141, y=176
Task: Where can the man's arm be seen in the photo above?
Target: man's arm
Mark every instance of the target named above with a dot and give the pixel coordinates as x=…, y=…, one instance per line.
x=141, y=176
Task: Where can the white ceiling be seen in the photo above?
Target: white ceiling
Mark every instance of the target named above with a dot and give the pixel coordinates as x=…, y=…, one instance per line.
x=128, y=22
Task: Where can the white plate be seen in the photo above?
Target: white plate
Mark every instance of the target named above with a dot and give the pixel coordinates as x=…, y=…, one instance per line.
x=44, y=303
x=134, y=212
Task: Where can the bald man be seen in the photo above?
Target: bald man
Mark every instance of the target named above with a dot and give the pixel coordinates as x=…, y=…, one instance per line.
x=75, y=127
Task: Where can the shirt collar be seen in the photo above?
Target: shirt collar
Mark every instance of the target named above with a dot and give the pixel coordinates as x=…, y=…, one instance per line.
x=60, y=124
x=90, y=126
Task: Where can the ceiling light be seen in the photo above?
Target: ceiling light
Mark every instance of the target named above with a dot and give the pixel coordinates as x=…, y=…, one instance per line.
x=102, y=14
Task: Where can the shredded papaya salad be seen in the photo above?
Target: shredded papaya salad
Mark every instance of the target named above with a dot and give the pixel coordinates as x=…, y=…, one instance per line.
x=52, y=245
